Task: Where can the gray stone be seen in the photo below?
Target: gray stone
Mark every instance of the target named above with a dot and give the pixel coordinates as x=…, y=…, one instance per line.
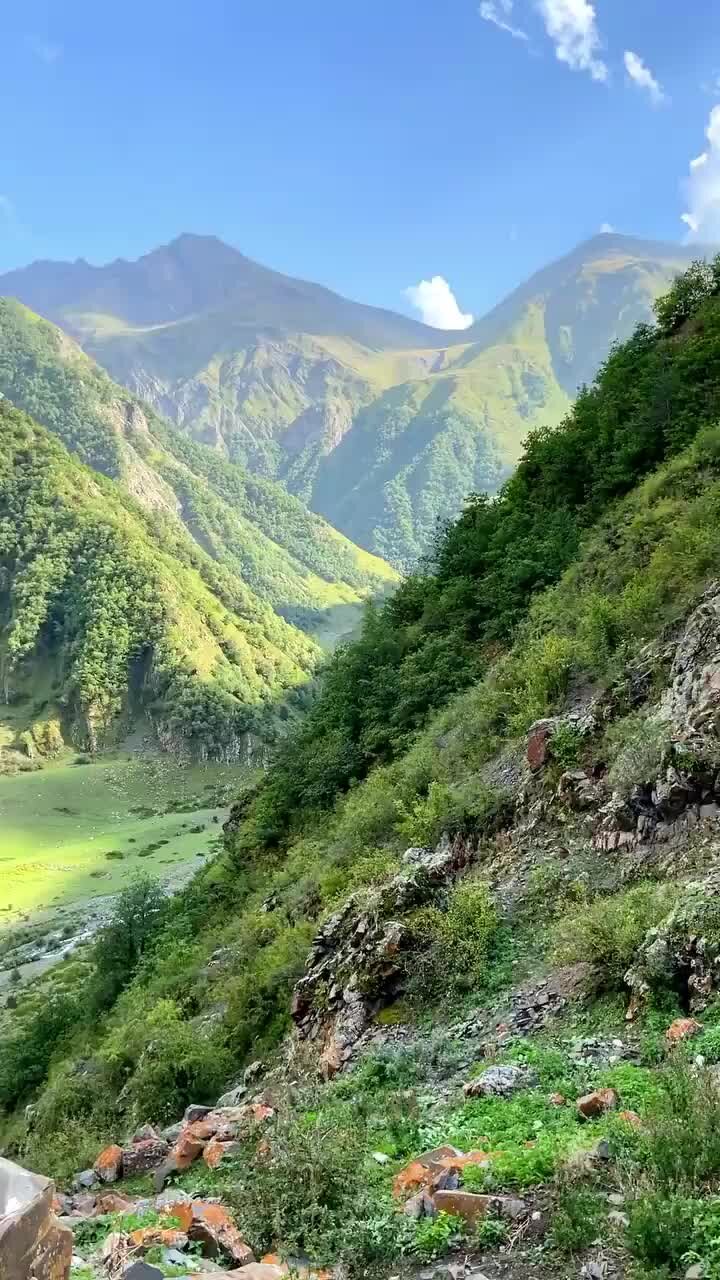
x=501, y=1082
x=85, y=1180
x=142, y=1271
x=195, y=1112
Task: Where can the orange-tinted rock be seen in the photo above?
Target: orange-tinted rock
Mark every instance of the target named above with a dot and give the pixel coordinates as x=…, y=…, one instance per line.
x=167, y=1237
x=597, y=1103
x=113, y=1202
x=538, y=744
x=216, y=1151
x=179, y=1213
x=260, y=1111
x=202, y=1130
x=255, y=1271
x=84, y=1205
x=631, y=1118
x=213, y=1226
x=557, y=1099
x=271, y=1260
x=467, y=1205
x=109, y=1163
x=410, y=1179
x=186, y=1149
x=682, y=1029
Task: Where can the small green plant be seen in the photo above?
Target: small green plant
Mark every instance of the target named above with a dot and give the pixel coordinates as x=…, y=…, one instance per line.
x=452, y=947
x=637, y=745
x=566, y=746
x=435, y=1236
x=577, y=1219
x=490, y=1231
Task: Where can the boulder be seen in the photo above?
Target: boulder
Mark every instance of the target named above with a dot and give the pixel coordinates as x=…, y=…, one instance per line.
x=142, y=1271
x=216, y=1152
x=597, y=1103
x=150, y=1237
x=214, y=1228
x=109, y=1164
x=472, y=1207
x=195, y=1112
x=682, y=1029
x=143, y=1156
x=111, y=1202
x=630, y=1118
x=32, y=1241
x=85, y=1180
x=500, y=1082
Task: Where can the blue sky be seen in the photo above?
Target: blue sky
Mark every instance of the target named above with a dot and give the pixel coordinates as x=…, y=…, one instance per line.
x=369, y=146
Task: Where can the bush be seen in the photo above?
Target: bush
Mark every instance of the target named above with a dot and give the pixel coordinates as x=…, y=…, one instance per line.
x=608, y=932
x=452, y=947
x=577, y=1220
x=638, y=744
x=307, y=1185
x=680, y=1147
x=434, y=1236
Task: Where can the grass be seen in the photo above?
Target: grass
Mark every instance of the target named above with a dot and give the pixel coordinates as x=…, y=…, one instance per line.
x=62, y=829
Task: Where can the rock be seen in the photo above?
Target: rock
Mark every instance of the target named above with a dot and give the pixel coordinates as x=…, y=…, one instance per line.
x=109, y=1164
x=111, y=1202
x=618, y=1219
x=85, y=1180
x=142, y=1271
x=32, y=1241
x=233, y=1097
x=167, y=1200
x=144, y=1132
x=500, y=1082
x=215, y=1152
x=195, y=1112
x=597, y=1103
x=258, y=1271
x=557, y=1099
x=380, y=1157
x=252, y=1072
x=615, y=1198
x=171, y=1133
x=593, y=1270
x=419, y=1206
x=682, y=1029
x=213, y=1226
x=467, y=1205
x=143, y=1156
x=84, y=1205
x=577, y=790
x=695, y=1272
x=538, y=743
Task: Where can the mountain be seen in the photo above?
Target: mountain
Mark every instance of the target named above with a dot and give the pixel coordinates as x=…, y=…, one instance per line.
x=458, y=958
x=200, y=575
x=379, y=423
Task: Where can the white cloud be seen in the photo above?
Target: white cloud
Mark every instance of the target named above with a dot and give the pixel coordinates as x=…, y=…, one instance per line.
x=642, y=76
x=499, y=12
x=571, y=26
x=702, y=187
x=437, y=304
x=606, y=228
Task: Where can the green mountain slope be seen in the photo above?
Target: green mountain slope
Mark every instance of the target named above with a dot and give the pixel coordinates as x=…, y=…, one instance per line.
x=291, y=558
x=110, y=611
x=567, y=595
x=381, y=424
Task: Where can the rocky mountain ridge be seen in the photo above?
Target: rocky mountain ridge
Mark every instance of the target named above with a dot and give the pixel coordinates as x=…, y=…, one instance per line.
x=376, y=421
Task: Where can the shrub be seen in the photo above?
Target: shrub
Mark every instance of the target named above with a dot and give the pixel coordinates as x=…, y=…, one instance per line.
x=680, y=1147
x=577, y=1220
x=638, y=744
x=607, y=933
x=452, y=947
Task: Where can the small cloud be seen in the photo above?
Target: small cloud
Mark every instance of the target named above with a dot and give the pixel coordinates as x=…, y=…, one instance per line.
x=606, y=228
x=642, y=76
x=437, y=304
x=47, y=51
x=702, y=187
x=499, y=12
x=571, y=26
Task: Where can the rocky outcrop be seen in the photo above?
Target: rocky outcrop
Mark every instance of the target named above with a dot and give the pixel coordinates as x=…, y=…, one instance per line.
x=32, y=1241
x=355, y=965
x=683, y=953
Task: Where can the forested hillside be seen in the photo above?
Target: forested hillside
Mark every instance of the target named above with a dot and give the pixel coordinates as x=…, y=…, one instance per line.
x=290, y=558
x=110, y=612
x=380, y=423
x=486, y=858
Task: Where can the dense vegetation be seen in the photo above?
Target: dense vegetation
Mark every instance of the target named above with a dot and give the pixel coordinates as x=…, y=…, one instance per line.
x=252, y=527
x=608, y=534
x=121, y=608
x=653, y=395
